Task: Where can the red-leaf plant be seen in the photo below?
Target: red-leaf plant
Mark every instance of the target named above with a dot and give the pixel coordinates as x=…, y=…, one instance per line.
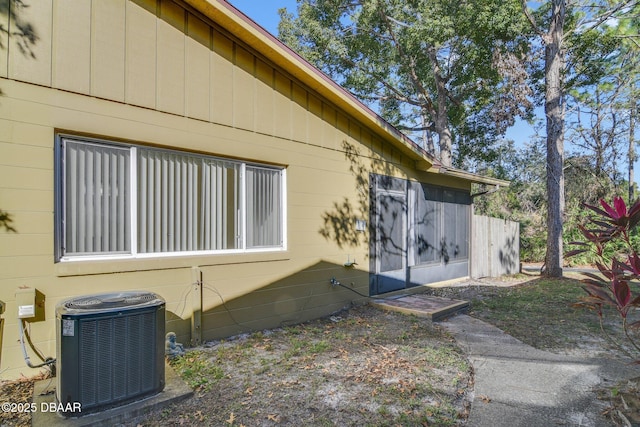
x=612, y=225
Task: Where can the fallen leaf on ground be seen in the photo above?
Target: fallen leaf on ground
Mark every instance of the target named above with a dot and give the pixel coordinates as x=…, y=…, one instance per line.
x=231, y=419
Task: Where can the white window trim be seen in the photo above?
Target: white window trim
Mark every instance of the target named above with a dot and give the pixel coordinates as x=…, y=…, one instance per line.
x=133, y=180
x=242, y=249
x=243, y=208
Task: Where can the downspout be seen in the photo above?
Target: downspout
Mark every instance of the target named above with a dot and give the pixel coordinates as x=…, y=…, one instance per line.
x=485, y=193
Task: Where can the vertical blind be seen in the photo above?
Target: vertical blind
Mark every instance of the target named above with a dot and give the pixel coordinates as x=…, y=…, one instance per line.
x=185, y=202
x=220, y=222
x=96, y=199
x=167, y=201
x=264, y=207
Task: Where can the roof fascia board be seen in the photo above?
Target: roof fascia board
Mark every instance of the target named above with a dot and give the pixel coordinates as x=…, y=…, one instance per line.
x=477, y=179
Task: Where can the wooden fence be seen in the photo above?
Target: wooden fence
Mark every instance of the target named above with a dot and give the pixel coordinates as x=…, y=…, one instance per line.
x=495, y=247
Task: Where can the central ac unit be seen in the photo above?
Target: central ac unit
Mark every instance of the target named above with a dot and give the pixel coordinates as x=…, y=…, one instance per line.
x=110, y=349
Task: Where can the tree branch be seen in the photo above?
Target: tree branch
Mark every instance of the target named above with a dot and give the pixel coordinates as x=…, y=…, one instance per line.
x=598, y=20
x=531, y=19
x=410, y=63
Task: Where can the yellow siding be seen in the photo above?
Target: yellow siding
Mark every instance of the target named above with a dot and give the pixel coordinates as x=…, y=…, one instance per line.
x=21, y=200
x=171, y=58
x=140, y=65
x=314, y=119
x=197, y=69
x=4, y=38
x=282, y=104
x=222, y=80
x=71, y=68
x=108, y=39
x=299, y=110
x=243, y=89
x=264, y=106
x=329, y=136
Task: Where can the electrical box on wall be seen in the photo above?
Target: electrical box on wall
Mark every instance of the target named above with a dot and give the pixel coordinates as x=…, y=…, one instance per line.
x=30, y=304
x=26, y=301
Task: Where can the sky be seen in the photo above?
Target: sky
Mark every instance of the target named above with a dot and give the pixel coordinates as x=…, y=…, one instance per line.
x=264, y=12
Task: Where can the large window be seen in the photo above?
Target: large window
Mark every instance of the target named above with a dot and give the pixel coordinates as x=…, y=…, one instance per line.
x=126, y=200
x=442, y=218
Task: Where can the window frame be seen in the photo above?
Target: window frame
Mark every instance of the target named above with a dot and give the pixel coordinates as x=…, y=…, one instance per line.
x=60, y=214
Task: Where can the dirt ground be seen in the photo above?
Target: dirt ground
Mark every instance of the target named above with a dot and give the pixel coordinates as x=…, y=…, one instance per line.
x=356, y=368
x=360, y=367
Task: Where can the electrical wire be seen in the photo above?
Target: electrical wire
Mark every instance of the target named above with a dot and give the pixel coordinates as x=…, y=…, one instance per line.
x=212, y=288
x=183, y=297
x=337, y=283
x=45, y=361
x=27, y=333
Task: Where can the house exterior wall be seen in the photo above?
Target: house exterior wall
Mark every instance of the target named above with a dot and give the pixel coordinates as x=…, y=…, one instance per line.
x=157, y=73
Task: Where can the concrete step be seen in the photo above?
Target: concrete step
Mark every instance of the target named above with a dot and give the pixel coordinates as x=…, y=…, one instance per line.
x=427, y=306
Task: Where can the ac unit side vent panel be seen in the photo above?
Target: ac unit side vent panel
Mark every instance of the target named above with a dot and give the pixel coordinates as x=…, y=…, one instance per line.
x=110, y=354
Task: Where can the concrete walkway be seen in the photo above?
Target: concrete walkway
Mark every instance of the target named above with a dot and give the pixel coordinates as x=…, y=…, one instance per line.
x=518, y=385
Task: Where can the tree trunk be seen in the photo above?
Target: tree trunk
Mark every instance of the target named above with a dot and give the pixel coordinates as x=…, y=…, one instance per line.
x=444, y=136
x=598, y=138
x=427, y=137
x=554, y=110
x=441, y=121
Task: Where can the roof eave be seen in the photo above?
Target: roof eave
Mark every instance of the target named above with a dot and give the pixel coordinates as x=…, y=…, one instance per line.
x=476, y=179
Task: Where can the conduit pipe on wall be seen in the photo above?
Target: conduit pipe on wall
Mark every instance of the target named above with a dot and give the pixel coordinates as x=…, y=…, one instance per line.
x=45, y=361
x=2, y=308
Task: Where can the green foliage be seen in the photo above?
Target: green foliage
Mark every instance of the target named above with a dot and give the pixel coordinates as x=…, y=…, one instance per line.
x=423, y=63
x=525, y=199
x=197, y=370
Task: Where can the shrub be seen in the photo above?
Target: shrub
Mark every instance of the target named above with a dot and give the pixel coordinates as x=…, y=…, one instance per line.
x=609, y=235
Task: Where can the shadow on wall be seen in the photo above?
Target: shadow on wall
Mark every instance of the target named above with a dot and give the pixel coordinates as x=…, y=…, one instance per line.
x=509, y=255
x=299, y=297
x=340, y=221
x=23, y=33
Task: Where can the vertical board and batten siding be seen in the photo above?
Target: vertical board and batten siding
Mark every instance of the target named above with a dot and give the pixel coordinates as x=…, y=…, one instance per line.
x=495, y=247
x=153, y=72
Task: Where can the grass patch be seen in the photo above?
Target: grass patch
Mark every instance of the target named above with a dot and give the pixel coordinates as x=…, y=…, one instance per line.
x=445, y=356
x=319, y=347
x=197, y=370
x=541, y=313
